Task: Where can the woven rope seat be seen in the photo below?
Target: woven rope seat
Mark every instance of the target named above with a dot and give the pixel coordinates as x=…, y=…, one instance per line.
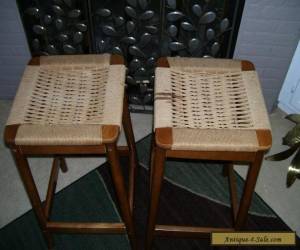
x=65, y=100
x=209, y=104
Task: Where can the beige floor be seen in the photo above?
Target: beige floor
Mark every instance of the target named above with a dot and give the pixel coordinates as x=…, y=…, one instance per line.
x=271, y=183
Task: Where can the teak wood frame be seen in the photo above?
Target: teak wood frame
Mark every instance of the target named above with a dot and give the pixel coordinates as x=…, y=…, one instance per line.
x=109, y=148
x=161, y=150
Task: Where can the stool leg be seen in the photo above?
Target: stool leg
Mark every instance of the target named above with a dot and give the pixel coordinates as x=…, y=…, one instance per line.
x=63, y=164
x=132, y=151
x=26, y=176
x=225, y=169
x=249, y=187
x=152, y=157
x=157, y=177
x=232, y=189
x=113, y=158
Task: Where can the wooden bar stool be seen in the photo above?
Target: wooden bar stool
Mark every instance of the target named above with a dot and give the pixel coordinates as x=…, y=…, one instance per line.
x=73, y=105
x=207, y=109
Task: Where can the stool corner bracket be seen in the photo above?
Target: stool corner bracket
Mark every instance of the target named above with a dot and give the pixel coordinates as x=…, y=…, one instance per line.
x=34, y=61
x=163, y=62
x=110, y=133
x=247, y=66
x=264, y=138
x=10, y=134
x=164, y=137
x=117, y=60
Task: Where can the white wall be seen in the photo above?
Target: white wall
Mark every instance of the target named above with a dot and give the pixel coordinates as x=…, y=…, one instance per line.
x=14, y=52
x=289, y=97
x=268, y=36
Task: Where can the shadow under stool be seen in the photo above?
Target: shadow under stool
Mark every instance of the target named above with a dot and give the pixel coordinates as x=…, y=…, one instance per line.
x=73, y=105
x=207, y=109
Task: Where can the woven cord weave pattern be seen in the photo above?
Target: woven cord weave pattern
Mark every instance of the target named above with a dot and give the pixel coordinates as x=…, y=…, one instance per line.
x=190, y=64
x=67, y=96
x=62, y=103
x=209, y=106
x=81, y=60
x=209, y=100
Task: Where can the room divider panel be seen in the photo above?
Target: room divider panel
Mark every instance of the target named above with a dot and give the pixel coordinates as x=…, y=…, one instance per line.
x=140, y=30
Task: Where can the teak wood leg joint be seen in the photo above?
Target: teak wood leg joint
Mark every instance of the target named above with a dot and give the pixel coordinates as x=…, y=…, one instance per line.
x=157, y=173
x=239, y=210
x=31, y=189
x=43, y=210
x=204, y=111
x=80, y=127
x=119, y=184
x=133, y=162
x=248, y=191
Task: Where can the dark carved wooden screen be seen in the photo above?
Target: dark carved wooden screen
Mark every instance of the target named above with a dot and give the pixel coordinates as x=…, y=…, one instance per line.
x=140, y=30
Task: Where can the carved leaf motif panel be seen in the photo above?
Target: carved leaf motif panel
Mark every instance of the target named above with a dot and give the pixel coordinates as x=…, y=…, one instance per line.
x=140, y=30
